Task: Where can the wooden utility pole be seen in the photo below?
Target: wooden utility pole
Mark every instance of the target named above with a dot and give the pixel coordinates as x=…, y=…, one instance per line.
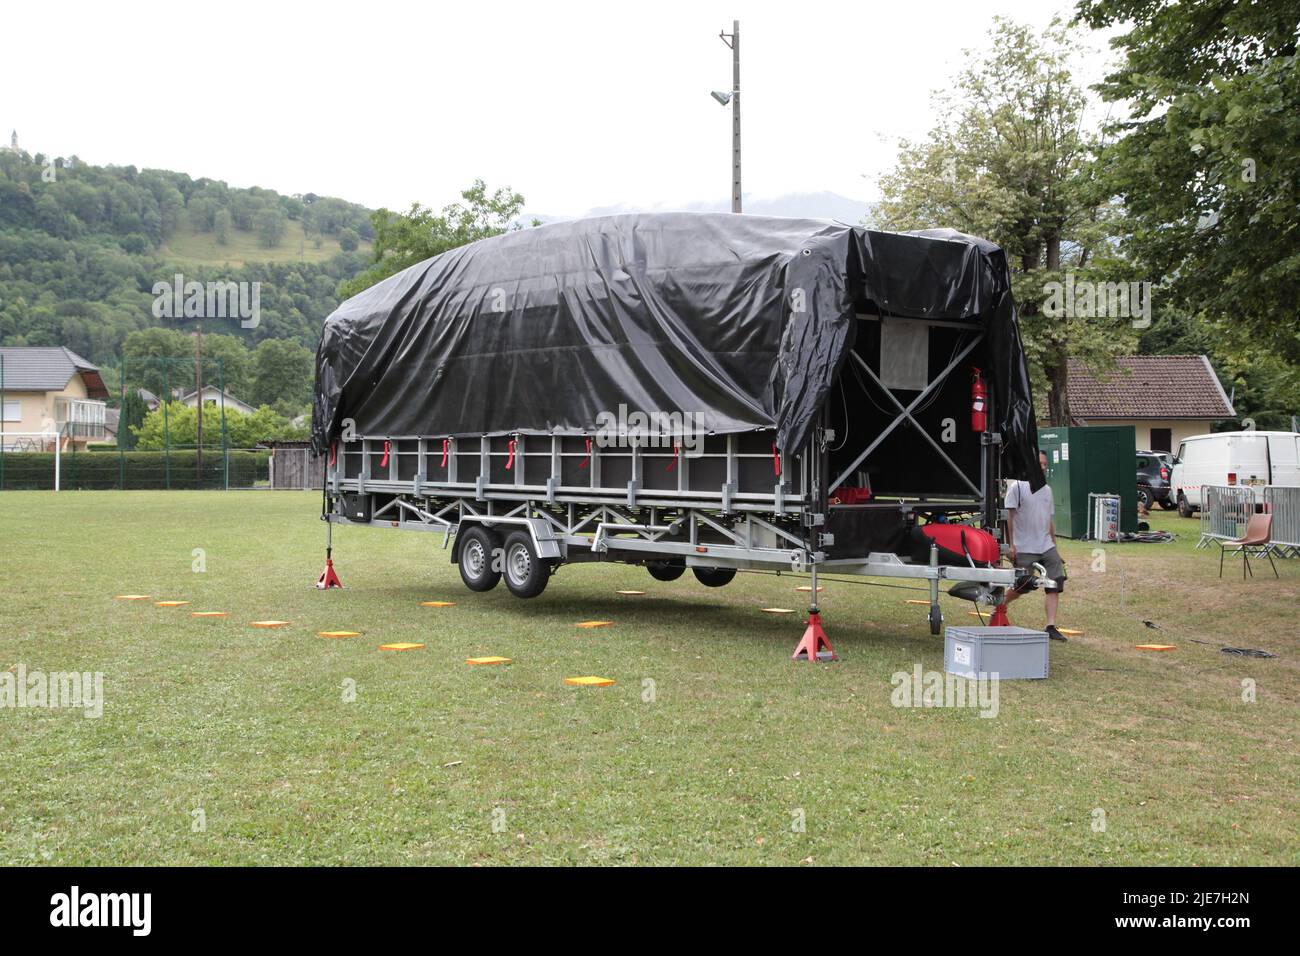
x=198, y=394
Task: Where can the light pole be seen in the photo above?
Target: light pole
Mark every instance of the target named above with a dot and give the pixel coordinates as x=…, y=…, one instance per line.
x=732, y=40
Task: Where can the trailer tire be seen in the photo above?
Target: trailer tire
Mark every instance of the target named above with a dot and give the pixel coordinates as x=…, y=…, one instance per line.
x=526, y=574
x=476, y=559
x=714, y=577
x=665, y=570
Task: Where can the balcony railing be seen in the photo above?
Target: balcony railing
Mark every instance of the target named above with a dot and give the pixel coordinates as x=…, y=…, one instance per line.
x=78, y=418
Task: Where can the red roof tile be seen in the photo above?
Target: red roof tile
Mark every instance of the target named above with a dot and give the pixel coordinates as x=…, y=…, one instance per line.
x=1148, y=386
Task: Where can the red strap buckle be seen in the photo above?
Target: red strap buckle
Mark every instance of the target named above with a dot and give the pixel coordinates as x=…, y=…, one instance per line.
x=776, y=460
x=583, y=463
x=445, y=443
x=383, y=462
x=511, y=460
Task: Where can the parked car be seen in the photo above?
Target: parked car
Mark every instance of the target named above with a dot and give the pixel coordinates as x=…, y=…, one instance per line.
x=1254, y=458
x=1154, y=469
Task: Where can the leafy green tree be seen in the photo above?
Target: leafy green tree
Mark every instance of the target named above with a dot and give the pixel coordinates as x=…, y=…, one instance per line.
x=402, y=240
x=348, y=240
x=283, y=371
x=236, y=363
x=222, y=225
x=178, y=427
x=202, y=213
x=150, y=356
x=1009, y=160
x=1207, y=162
x=269, y=223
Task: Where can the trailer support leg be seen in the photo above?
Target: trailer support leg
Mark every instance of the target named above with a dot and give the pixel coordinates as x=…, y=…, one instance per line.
x=814, y=646
x=328, y=578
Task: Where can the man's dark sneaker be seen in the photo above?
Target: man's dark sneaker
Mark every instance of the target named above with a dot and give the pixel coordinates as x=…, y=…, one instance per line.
x=1054, y=634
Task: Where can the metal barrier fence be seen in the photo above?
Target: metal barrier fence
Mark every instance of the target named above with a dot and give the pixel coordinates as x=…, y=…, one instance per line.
x=1284, y=505
x=1225, y=512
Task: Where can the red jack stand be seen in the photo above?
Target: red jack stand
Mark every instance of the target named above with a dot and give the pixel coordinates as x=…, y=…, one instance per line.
x=814, y=646
x=328, y=579
x=999, y=618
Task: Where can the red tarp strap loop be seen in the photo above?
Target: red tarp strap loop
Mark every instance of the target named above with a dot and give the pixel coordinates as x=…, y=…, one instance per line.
x=677, y=452
x=776, y=460
x=445, y=443
x=334, y=450
x=511, y=460
x=383, y=462
x=583, y=463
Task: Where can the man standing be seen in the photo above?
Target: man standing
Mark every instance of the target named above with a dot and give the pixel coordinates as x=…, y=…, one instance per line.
x=1031, y=529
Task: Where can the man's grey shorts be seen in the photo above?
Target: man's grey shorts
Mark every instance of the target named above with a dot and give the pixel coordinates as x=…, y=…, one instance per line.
x=1051, y=560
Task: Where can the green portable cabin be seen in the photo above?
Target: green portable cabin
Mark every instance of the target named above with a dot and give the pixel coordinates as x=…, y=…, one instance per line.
x=1097, y=459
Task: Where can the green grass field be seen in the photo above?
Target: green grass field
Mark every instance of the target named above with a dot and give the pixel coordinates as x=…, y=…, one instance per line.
x=189, y=247
x=438, y=762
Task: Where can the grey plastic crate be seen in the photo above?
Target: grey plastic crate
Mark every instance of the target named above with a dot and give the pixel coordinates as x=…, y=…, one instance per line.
x=1012, y=653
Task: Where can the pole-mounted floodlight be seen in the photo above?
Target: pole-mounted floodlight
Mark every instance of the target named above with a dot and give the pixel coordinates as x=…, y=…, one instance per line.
x=732, y=40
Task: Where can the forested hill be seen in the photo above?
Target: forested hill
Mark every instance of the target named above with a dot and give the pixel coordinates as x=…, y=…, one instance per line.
x=82, y=246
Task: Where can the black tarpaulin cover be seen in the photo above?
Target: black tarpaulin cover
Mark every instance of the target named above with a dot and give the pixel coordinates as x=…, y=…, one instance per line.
x=743, y=321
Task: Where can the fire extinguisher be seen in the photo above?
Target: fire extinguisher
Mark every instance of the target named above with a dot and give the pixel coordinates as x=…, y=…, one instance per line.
x=978, y=404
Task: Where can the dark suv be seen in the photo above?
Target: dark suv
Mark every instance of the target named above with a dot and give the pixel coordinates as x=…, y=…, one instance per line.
x=1153, y=470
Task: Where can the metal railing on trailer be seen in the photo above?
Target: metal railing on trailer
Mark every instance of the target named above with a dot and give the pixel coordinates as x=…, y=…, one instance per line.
x=731, y=504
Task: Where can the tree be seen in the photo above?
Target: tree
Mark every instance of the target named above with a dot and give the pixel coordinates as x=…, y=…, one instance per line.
x=1010, y=161
x=133, y=413
x=202, y=213
x=221, y=226
x=178, y=427
x=348, y=240
x=1207, y=164
x=147, y=354
x=283, y=371
x=402, y=240
x=269, y=224
x=227, y=357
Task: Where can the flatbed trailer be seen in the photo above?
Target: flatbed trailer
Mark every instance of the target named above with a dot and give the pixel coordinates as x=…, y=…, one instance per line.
x=882, y=449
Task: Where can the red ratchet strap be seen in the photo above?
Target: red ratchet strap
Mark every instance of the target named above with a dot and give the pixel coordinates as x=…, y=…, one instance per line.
x=776, y=460
x=583, y=463
x=383, y=462
x=445, y=443
x=511, y=460
x=334, y=450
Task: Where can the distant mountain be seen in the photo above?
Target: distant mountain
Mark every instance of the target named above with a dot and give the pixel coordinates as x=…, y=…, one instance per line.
x=819, y=205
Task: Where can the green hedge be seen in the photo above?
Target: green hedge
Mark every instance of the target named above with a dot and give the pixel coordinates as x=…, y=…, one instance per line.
x=139, y=469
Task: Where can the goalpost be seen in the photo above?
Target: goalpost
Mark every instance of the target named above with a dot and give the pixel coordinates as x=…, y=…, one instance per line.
x=19, y=442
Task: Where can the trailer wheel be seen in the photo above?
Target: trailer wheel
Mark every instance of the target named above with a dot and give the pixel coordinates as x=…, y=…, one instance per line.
x=665, y=570
x=714, y=577
x=477, y=551
x=936, y=621
x=526, y=575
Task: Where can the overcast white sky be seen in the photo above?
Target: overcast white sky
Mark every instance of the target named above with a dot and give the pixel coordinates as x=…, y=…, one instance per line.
x=575, y=105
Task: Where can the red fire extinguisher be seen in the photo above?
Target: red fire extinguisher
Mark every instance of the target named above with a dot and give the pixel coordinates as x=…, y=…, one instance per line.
x=978, y=404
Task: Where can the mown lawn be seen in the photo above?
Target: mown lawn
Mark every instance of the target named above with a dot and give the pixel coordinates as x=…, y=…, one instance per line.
x=438, y=762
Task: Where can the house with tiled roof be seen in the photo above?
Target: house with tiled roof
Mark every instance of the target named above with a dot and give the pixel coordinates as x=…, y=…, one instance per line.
x=50, y=390
x=1165, y=397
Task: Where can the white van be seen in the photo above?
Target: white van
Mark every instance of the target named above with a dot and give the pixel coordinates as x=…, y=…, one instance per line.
x=1233, y=458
